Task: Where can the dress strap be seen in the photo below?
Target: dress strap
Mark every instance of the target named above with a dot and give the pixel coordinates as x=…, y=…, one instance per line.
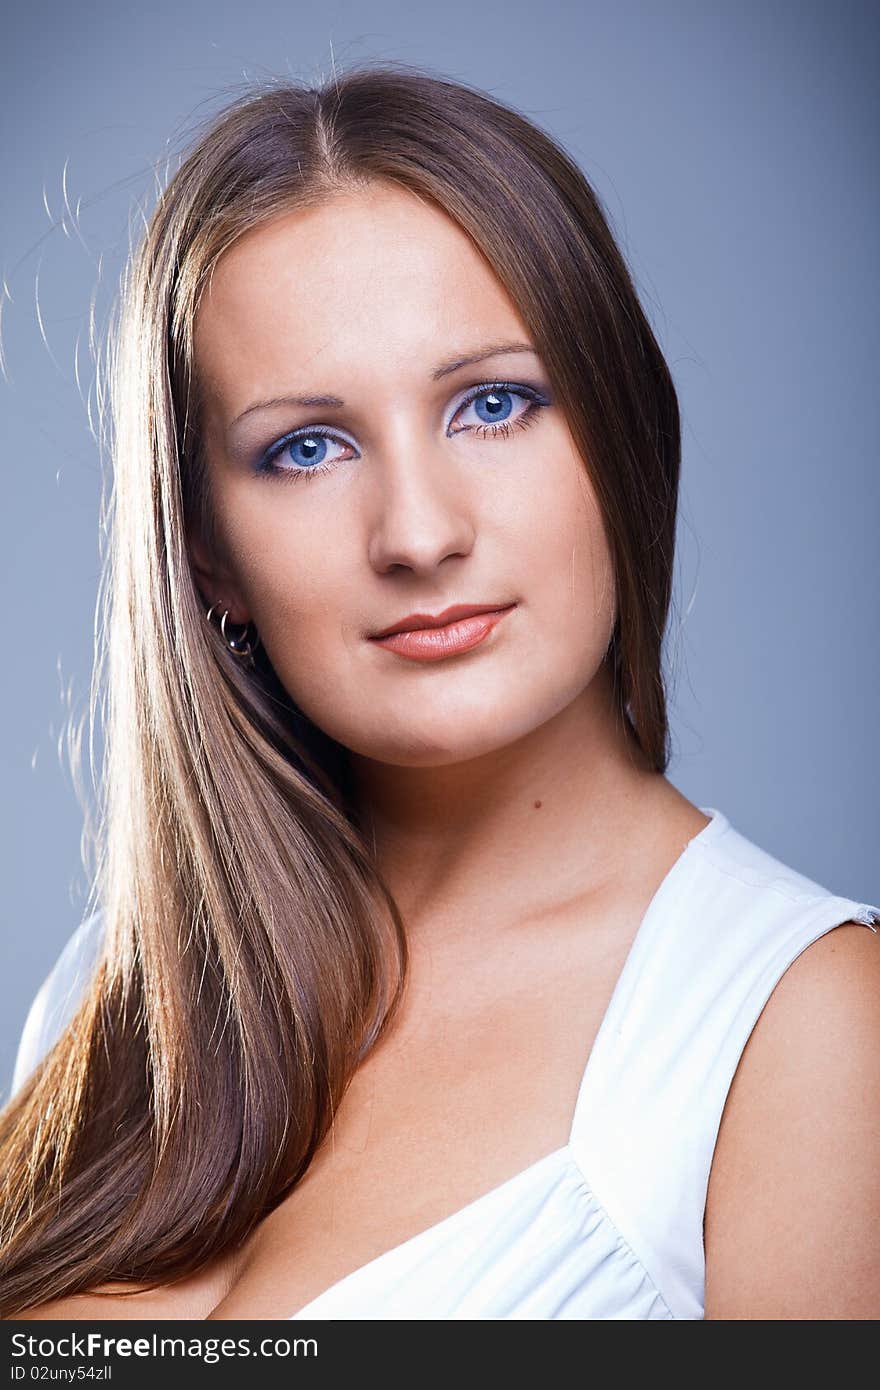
x=716, y=941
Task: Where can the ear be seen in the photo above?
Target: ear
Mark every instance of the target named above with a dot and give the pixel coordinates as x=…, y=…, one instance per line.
x=215, y=579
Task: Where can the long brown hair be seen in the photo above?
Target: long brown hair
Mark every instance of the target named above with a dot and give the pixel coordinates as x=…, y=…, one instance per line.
x=252, y=955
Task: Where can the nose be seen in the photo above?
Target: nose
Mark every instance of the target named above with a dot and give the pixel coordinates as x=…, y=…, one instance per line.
x=422, y=514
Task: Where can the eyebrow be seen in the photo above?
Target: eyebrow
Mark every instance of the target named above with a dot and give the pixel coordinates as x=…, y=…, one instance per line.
x=446, y=368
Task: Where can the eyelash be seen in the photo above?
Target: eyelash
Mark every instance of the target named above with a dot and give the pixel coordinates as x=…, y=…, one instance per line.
x=537, y=401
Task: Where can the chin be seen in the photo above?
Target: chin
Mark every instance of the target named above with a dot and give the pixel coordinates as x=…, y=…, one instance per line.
x=443, y=740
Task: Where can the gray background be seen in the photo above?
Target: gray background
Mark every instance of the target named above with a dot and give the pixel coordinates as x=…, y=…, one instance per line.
x=734, y=146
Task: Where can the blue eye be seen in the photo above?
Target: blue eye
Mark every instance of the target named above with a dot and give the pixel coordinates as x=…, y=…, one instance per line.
x=310, y=445
x=498, y=414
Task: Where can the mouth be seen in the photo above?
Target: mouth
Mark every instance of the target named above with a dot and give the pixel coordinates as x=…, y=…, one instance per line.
x=420, y=621
x=423, y=637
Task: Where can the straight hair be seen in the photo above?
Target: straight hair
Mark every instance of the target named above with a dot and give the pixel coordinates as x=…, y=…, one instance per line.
x=252, y=955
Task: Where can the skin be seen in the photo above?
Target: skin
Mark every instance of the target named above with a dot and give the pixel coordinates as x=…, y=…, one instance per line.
x=449, y=757
x=792, y=1224
x=499, y=786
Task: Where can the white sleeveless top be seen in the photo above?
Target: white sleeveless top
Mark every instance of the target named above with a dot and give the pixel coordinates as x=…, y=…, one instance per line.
x=611, y=1224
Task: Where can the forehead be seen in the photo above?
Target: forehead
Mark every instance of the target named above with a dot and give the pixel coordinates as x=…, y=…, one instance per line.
x=372, y=277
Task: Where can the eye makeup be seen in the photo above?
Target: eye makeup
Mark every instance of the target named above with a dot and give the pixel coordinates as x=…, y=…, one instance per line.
x=312, y=436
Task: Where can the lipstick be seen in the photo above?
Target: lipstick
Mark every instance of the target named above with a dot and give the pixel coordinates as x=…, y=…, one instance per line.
x=435, y=643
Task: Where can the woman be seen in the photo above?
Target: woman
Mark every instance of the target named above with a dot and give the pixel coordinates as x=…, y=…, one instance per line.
x=369, y=902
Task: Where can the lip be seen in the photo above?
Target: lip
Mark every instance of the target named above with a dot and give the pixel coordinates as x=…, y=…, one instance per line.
x=415, y=621
x=456, y=630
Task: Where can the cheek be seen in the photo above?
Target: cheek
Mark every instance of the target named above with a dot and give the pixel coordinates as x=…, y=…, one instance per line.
x=591, y=570
x=300, y=615
x=570, y=575
x=294, y=585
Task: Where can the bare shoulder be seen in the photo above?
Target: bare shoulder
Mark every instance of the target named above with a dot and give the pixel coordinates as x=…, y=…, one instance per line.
x=191, y=1298
x=792, y=1224
x=91, y=1306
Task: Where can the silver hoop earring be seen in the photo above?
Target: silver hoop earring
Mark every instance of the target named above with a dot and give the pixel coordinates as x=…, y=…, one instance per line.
x=234, y=644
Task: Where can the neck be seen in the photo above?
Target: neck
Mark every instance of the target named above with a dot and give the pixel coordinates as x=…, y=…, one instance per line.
x=548, y=816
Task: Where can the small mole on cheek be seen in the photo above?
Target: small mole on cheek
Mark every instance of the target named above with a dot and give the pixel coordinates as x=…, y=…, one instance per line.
x=537, y=805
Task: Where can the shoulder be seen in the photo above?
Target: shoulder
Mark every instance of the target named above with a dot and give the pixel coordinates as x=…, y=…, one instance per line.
x=192, y=1297
x=159, y=1306
x=90, y=1307
x=792, y=1220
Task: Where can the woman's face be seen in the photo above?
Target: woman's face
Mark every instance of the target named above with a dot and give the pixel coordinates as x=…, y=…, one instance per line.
x=415, y=485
